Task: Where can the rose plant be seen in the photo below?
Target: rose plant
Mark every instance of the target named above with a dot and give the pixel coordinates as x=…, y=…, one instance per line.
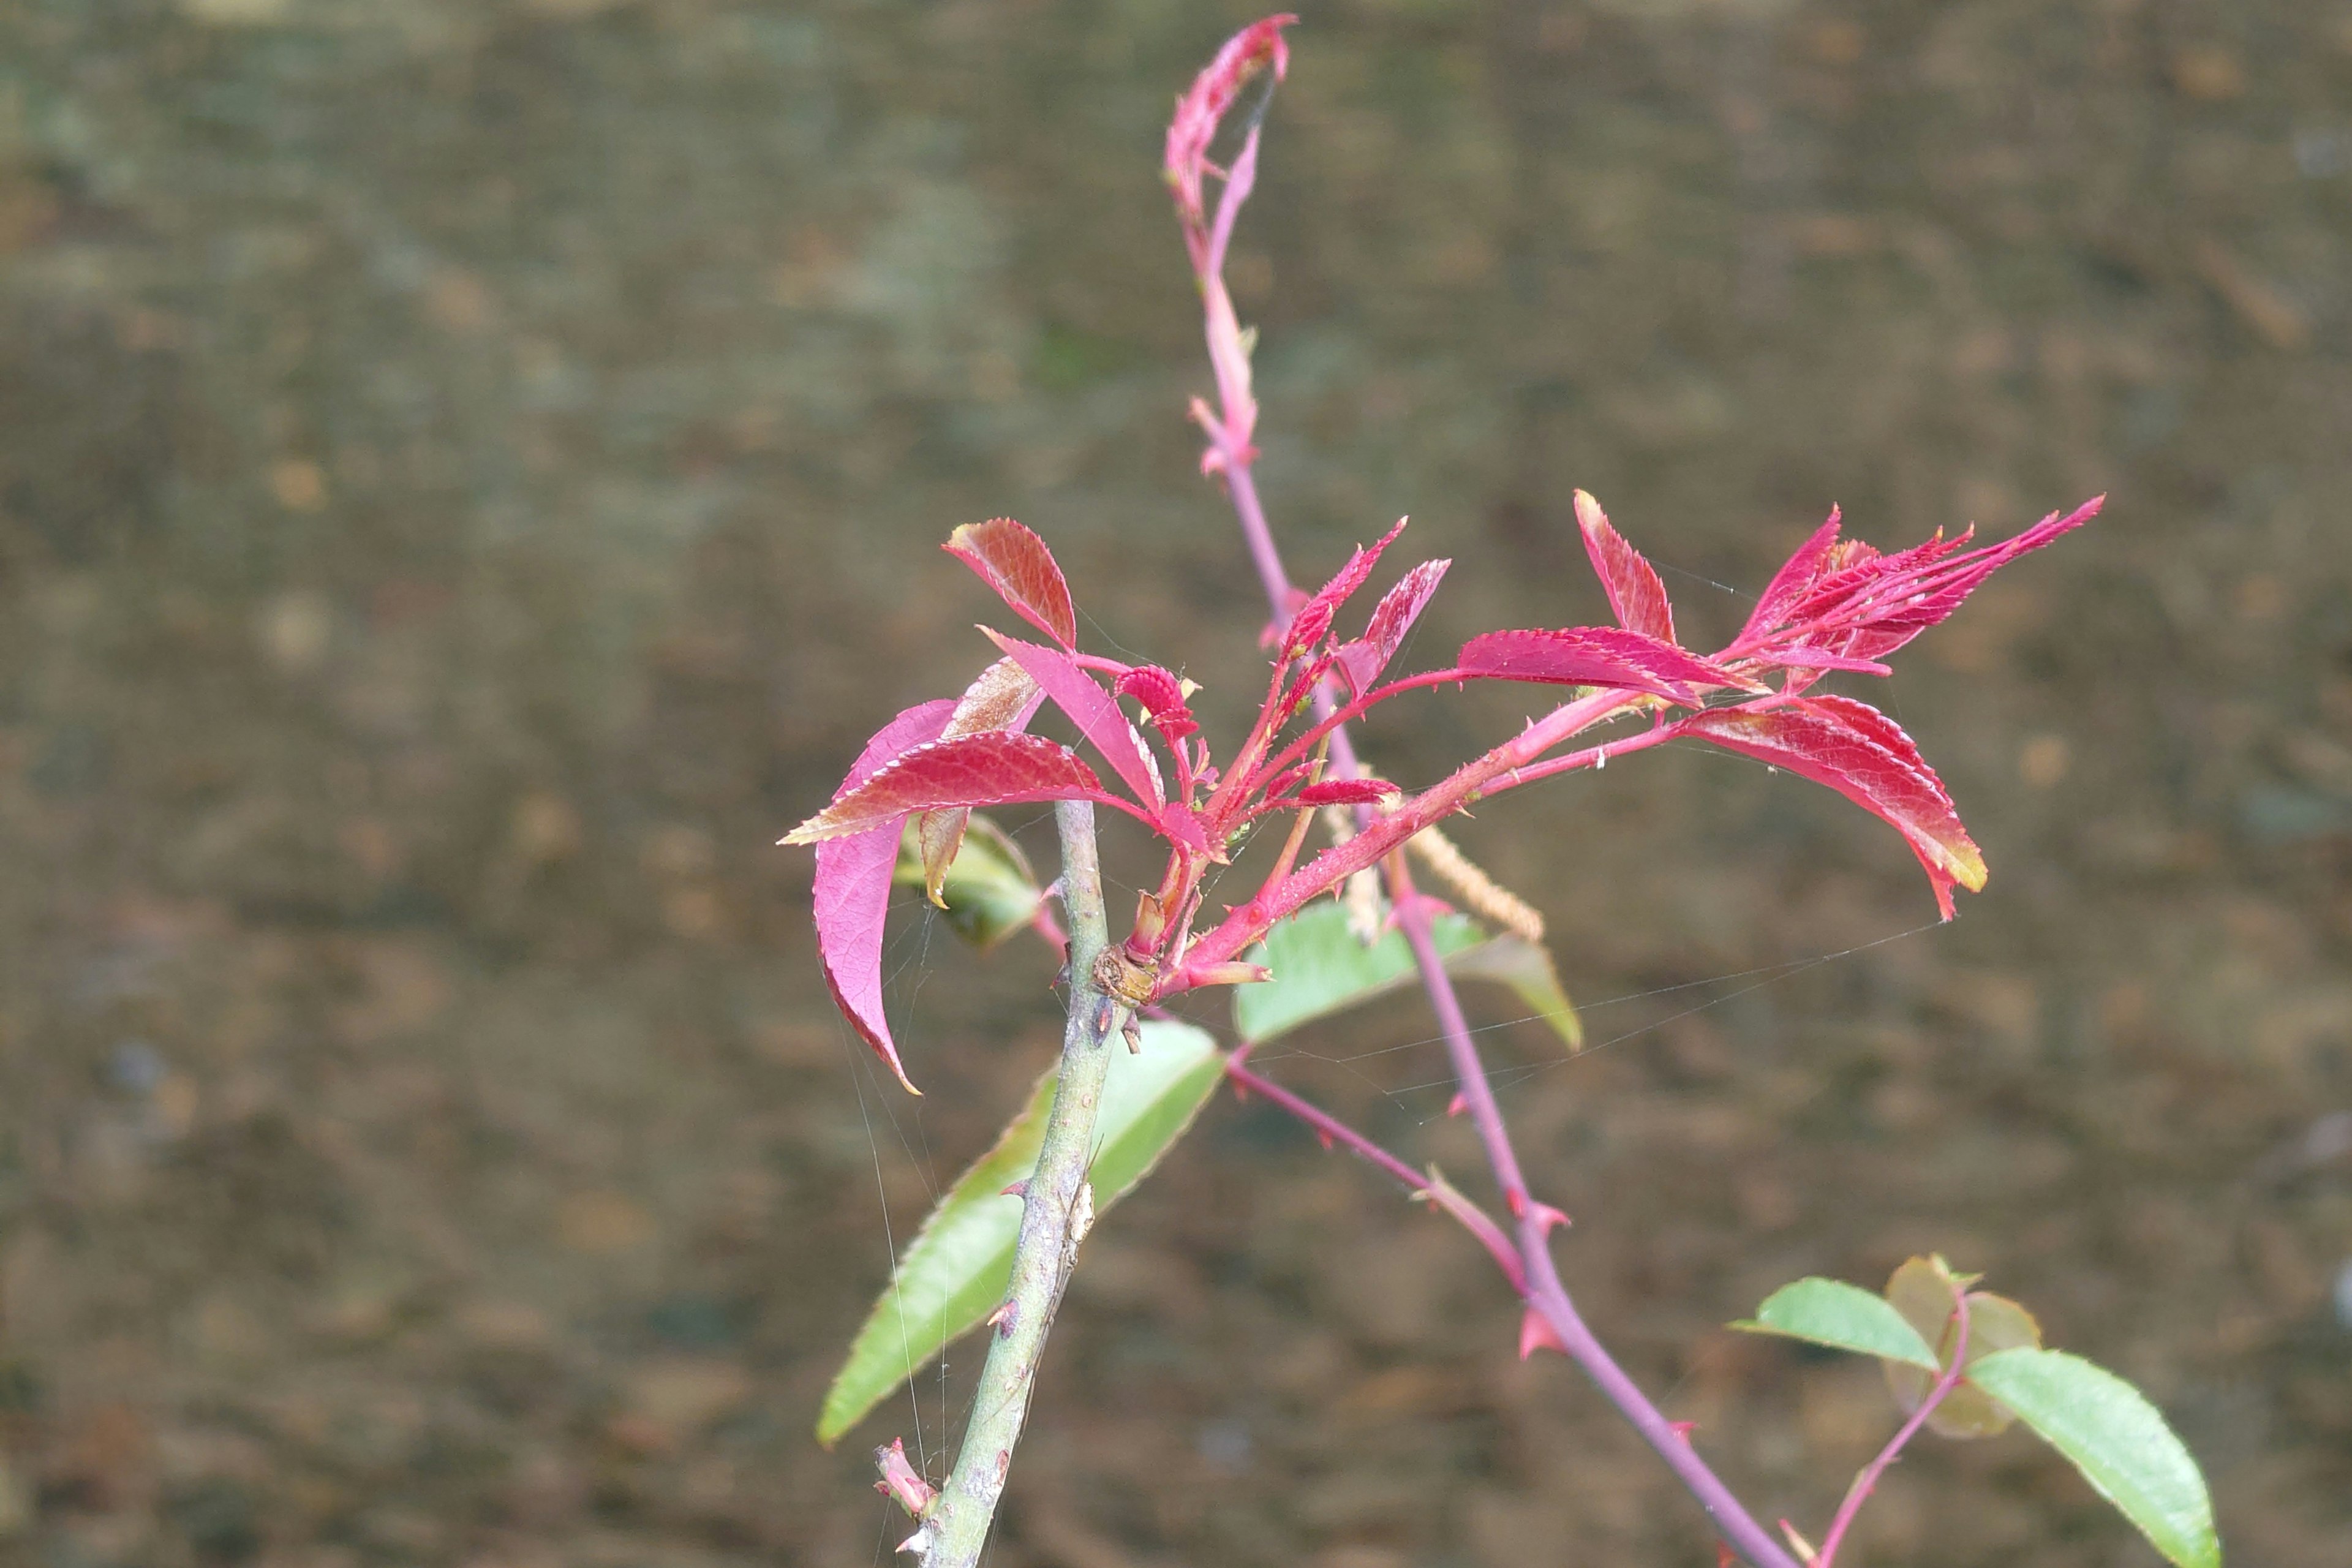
x=1961, y=1360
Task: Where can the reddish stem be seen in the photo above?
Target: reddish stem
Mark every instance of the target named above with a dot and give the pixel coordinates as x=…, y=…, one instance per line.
x=1544, y=1292
x=1328, y=1126
x=1868, y=1480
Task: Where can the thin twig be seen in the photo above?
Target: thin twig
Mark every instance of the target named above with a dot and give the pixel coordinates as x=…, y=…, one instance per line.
x=1865, y=1482
x=1544, y=1292
x=1056, y=1209
x=1328, y=1126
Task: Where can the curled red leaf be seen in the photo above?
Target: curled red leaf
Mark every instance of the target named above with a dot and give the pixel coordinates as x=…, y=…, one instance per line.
x=1595, y=656
x=1864, y=756
x=852, y=891
x=1162, y=696
x=1013, y=561
x=1636, y=596
x=995, y=768
x=1202, y=108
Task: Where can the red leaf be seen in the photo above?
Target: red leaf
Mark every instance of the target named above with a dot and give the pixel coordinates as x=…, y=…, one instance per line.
x=1002, y=697
x=1015, y=563
x=1594, y=656
x=1093, y=711
x=852, y=891
x=1801, y=658
x=1363, y=660
x=1795, y=575
x=1864, y=756
x=1314, y=617
x=994, y=768
x=1182, y=824
x=1635, y=594
x=1847, y=599
x=1286, y=778
x=1162, y=696
x=1347, y=792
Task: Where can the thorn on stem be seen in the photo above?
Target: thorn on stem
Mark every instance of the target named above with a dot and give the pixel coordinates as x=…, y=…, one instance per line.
x=1535, y=1333
x=1002, y=1318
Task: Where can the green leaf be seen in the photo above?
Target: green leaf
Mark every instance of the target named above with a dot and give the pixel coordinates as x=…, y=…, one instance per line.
x=1921, y=1289
x=1320, y=968
x=1843, y=1317
x=990, y=890
x=955, y=1271
x=2116, y=1438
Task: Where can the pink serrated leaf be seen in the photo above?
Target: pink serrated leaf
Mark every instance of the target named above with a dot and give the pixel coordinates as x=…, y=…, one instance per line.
x=1282, y=781
x=1636, y=594
x=1594, y=656
x=852, y=890
x=996, y=768
x=1362, y=661
x=1314, y=617
x=1182, y=824
x=1864, y=756
x=1347, y=792
x=1093, y=710
x=1801, y=658
x=1845, y=598
x=1014, y=561
x=1795, y=575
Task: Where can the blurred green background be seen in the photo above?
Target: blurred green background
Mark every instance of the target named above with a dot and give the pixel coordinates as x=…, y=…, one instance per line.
x=470, y=477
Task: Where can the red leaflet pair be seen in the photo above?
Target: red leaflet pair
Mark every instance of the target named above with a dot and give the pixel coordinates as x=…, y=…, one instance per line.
x=1835, y=606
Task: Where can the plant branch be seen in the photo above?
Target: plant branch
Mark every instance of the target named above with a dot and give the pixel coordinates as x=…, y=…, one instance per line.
x=1865, y=1482
x=1056, y=1209
x=1328, y=1126
x=1544, y=1291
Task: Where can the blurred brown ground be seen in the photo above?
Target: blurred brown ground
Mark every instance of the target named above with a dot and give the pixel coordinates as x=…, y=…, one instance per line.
x=470, y=475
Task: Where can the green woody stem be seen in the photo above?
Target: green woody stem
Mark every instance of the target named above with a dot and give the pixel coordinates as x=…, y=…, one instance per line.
x=1056, y=1209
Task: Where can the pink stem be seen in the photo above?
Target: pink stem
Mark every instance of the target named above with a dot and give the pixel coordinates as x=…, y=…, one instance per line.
x=1544, y=1292
x=1864, y=1482
x=1328, y=1126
